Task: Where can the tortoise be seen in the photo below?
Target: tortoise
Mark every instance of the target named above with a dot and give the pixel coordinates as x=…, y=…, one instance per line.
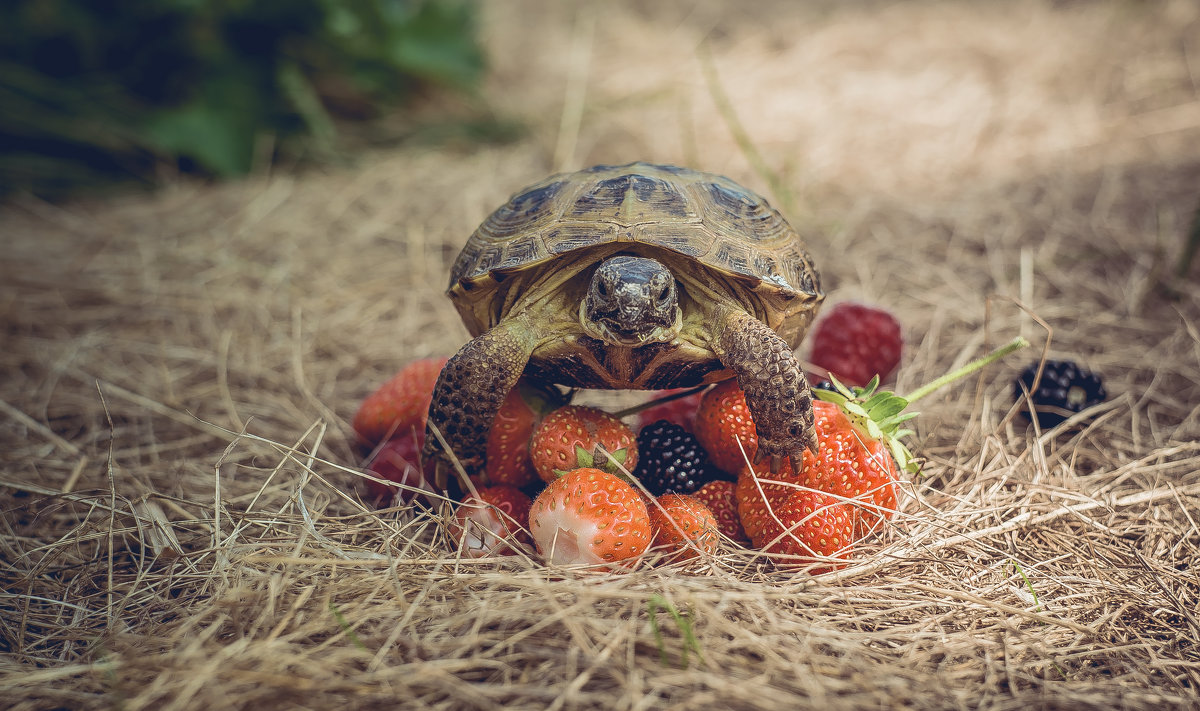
x=637, y=276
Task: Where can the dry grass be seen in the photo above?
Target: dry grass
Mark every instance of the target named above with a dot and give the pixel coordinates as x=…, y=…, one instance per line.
x=181, y=527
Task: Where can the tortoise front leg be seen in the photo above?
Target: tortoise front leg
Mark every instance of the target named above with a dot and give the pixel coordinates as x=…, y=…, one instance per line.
x=469, y=392
x=777, y=392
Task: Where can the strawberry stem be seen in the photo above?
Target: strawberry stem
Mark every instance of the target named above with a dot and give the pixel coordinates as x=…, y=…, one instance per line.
x=1013, y=345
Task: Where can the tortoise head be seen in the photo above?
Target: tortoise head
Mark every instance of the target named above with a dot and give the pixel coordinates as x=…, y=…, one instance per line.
x=631, y=301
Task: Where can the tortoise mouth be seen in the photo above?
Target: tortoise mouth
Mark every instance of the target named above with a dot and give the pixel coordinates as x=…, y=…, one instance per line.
x=619, y=334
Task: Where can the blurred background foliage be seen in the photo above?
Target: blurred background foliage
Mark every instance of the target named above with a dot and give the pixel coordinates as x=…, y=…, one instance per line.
x=94, y=91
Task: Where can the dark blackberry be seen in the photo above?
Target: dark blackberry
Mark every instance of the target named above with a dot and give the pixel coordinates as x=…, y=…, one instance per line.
x=670, y=460
x=1065, y=388
x=825, y=385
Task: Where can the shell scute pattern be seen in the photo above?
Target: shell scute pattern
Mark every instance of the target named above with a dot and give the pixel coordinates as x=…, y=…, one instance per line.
x=609, y=199
x=753, y=218
x=737, y=257
x=688, y=239
x=767, y=267
x=567, y=237
x=523, y=212
x=518, y=253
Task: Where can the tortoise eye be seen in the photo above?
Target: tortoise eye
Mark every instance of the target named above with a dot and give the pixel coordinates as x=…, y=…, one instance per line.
x=602, y=288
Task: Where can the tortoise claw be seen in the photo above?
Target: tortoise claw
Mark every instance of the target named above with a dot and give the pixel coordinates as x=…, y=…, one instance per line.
x=777, y=460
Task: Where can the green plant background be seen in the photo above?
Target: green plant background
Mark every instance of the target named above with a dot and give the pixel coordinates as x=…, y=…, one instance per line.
x=93, y=91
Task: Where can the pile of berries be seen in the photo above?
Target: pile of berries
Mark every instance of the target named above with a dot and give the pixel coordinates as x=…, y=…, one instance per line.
x=579, y=485
x=583, y=487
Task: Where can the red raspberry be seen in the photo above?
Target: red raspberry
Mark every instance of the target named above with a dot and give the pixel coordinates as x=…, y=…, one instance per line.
x=855, y=342
x=681, y=411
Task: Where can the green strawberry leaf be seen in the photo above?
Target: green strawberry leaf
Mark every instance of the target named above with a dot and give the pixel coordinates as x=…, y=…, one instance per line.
x=854, y=407
x=880, y=414
x=839, y=387
x=876, y=400
x=610, y=462
x=583, y=458
x=831, y=396
x=891, y=422
x=881, y=409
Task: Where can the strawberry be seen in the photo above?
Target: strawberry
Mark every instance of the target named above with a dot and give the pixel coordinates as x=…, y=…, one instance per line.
x=856, y=342
x=722, y=420
x=400, y=404
x=575, y=436
x=858, y=430
x=508, y=458
x=813, y=525
x=719, y=497
x=857, y=465
x=851, y=464
x=683, y=527
x=758, y=493
x=590, y=517
x=489, y=522
x=681, y=410
x=398, y=460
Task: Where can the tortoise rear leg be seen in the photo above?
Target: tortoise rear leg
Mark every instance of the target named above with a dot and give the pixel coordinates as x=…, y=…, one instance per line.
x=469, y=392
x=777, y=392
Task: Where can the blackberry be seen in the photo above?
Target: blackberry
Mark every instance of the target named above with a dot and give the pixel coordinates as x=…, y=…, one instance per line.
x=824, y=385
x=670, y=460
x=1065, y=388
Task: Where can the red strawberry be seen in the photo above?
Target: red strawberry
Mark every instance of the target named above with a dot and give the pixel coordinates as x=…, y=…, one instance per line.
x=756, y=513
x=720, y=498
x=681, y=411
x=574, y=437
x=814, y=526
x=683, y=526
x=723, y=420
x=398, y=460
x=508, y=460
x=590, y=517
x=399, y=405
x=489, y=523
x=860, y=455
x=857, y=342
x=851, y=464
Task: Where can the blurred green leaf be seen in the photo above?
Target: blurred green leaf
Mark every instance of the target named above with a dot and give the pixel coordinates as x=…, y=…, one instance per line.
x=437, y=43
x=216, y=137
x=112, y=85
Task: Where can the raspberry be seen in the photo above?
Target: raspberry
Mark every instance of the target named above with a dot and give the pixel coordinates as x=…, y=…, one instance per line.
x=670, y=460
x=681, y=411
x=856, y=342
x=1065, y=388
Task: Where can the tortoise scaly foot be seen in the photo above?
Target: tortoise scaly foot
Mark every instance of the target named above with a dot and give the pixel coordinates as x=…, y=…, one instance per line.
x=777, y=392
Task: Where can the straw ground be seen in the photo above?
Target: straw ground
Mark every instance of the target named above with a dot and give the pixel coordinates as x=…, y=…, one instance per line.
x=181, y=519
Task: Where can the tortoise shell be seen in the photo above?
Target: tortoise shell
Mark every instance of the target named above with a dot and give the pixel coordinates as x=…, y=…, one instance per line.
x=703, y=225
